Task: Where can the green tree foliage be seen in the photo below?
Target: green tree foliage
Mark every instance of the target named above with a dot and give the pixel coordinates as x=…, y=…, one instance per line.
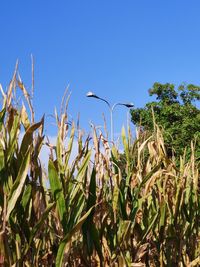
x=174, y=110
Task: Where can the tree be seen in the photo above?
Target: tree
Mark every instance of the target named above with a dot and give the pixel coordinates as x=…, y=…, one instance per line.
x=176, y=112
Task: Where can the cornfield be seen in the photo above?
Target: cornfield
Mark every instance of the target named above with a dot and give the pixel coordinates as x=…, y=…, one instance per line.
x=102, y=207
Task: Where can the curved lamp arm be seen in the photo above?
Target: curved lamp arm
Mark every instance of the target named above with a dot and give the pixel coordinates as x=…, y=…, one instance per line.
x=128, y=105
x=91, y=94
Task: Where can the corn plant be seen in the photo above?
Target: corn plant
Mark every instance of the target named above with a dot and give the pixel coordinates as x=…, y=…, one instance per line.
x=24, y=203
x=102, y=205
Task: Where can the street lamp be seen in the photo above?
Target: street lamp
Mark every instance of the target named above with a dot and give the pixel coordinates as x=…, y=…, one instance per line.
x=111, y=108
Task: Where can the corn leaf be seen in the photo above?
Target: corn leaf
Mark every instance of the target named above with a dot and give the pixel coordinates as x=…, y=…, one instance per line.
x=18, y=184
x=68, y=236
x=56, y=187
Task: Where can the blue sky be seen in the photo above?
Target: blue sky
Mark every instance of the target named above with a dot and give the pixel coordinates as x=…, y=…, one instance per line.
x=117, y=49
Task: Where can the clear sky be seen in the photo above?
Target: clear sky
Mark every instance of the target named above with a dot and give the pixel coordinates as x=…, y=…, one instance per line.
x=117, y=49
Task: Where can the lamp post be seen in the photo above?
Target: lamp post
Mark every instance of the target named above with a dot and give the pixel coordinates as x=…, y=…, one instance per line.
x=111, y=108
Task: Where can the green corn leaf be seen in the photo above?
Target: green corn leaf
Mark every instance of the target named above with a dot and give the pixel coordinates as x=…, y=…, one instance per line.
x=178, y=203
x=41, y=221
x=56, y=187
x=68, y=237
x=162, y=222
x=76, y=209
x=115, y=198
x=122, y=202
x=84, y=165
x=88, y=226
x=92, y=190
x=38, y=146
x=13, y=137
x=70, y=145
x=116, y=190
x=28, y=137
x=123, y=230
x=162, y=214
x=2, y=159
x=38, y=225
x=126, y=146
x=26, y=196
x=81, y=173
x=59, y=152
x=2, y=116
x=87, y=236
x=96, y=241
x=149, y=175
x=18, y=184
x=151, y=226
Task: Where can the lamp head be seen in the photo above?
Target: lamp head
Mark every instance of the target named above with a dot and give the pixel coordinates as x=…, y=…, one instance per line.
x=129, y=105
x=91, y=94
